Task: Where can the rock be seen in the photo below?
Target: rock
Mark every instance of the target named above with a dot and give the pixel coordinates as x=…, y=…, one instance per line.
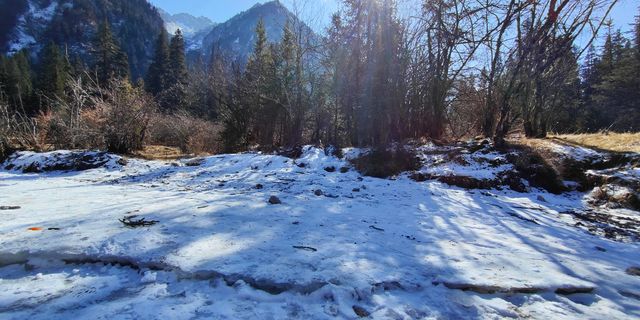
x=615, y=196
x=274, y=200
x=356, y=190
x=32, y=168
x=122, y=161
x=344, y=169
x=302, y=165
x=601, y=249
x=361, y=312
x=194, y=162
x=634, y=271
x=330, y=169
x=318, y=192
x=259, y=186
x=569, y=290
x=541, y=198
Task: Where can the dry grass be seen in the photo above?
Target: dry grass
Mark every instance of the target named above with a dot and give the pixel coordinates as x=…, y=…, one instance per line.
x=160, y=153
x=619, y=142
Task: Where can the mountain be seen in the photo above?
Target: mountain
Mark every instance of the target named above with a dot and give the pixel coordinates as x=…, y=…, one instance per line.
x=194, y=29
x=236, y=36
x=72, y=24
x=188, y=24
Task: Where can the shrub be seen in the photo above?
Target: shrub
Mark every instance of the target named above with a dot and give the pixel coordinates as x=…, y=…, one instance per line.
x=124, y=113
x=18, y=132
x=189, y=134
x=383, y=163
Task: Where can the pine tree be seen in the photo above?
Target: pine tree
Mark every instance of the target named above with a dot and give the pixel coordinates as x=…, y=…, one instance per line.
x=177, y=63
x=110, y=62
x=173, y=96
x=53, y=72
x=256, y=85
x=157, y=76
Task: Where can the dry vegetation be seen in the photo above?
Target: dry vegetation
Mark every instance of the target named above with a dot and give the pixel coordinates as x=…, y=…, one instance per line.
x=619, y=142
x=154, y=152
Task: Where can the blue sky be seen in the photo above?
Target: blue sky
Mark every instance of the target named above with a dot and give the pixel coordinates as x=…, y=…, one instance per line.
x=222, y=10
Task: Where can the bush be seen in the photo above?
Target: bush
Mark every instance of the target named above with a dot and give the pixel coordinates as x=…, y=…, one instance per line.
x=189, y=134
x=124, y=113
x=534, y=168
x=18, y=132
x=383, y=163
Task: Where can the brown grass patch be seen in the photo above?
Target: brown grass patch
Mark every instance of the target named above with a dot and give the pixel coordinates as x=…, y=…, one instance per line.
x=617, y=142
x=155, y=152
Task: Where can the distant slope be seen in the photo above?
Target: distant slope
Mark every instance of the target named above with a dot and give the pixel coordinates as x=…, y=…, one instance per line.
x=195, y=29
x=236, y=36
x=188, y=24
x=30, y=24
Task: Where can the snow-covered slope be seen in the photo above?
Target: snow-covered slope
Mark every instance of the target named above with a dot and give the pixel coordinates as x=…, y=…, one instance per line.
x=339, y=245
x=72, y=24
x=30, y=23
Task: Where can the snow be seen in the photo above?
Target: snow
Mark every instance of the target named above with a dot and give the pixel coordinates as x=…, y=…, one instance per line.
x=479, y=165
x=36, y=17
x=576, y=152
x=397, y=248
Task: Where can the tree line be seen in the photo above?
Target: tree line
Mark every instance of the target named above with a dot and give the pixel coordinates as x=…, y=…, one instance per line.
x=457, y=68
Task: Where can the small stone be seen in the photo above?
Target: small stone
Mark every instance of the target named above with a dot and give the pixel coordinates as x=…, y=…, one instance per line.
x=356, y=190
x=360, y=311
x=301, y=165
x=259, y=186
x=274, y=200
x=122, y=161
x=330, y=169
x=194, y=162
x=318, y=192
x=601, y=249
x=344, y=169
x=541, y=198
x=634, y=271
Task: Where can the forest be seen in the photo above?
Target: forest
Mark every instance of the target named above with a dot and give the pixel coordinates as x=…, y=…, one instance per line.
x=456, y=70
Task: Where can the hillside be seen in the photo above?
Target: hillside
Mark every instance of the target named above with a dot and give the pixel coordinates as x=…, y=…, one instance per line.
x=30, y=24
x=195, y=29
x=236, y=37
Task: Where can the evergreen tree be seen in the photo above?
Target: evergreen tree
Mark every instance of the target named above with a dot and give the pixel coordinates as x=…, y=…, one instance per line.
x=53, y=73
x=157, y=76
x=173, y=97
x=177, y=62
x=110, y=62
x=258, y=85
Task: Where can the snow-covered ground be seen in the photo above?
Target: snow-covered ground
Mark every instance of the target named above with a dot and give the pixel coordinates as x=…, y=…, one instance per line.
x=390, y=248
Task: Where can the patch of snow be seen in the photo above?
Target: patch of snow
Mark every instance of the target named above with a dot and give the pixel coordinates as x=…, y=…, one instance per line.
x=576, y=152
x=37, y=16
x=395, y=248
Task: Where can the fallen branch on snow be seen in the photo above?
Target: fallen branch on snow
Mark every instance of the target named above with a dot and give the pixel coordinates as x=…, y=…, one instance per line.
x=132, y=223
